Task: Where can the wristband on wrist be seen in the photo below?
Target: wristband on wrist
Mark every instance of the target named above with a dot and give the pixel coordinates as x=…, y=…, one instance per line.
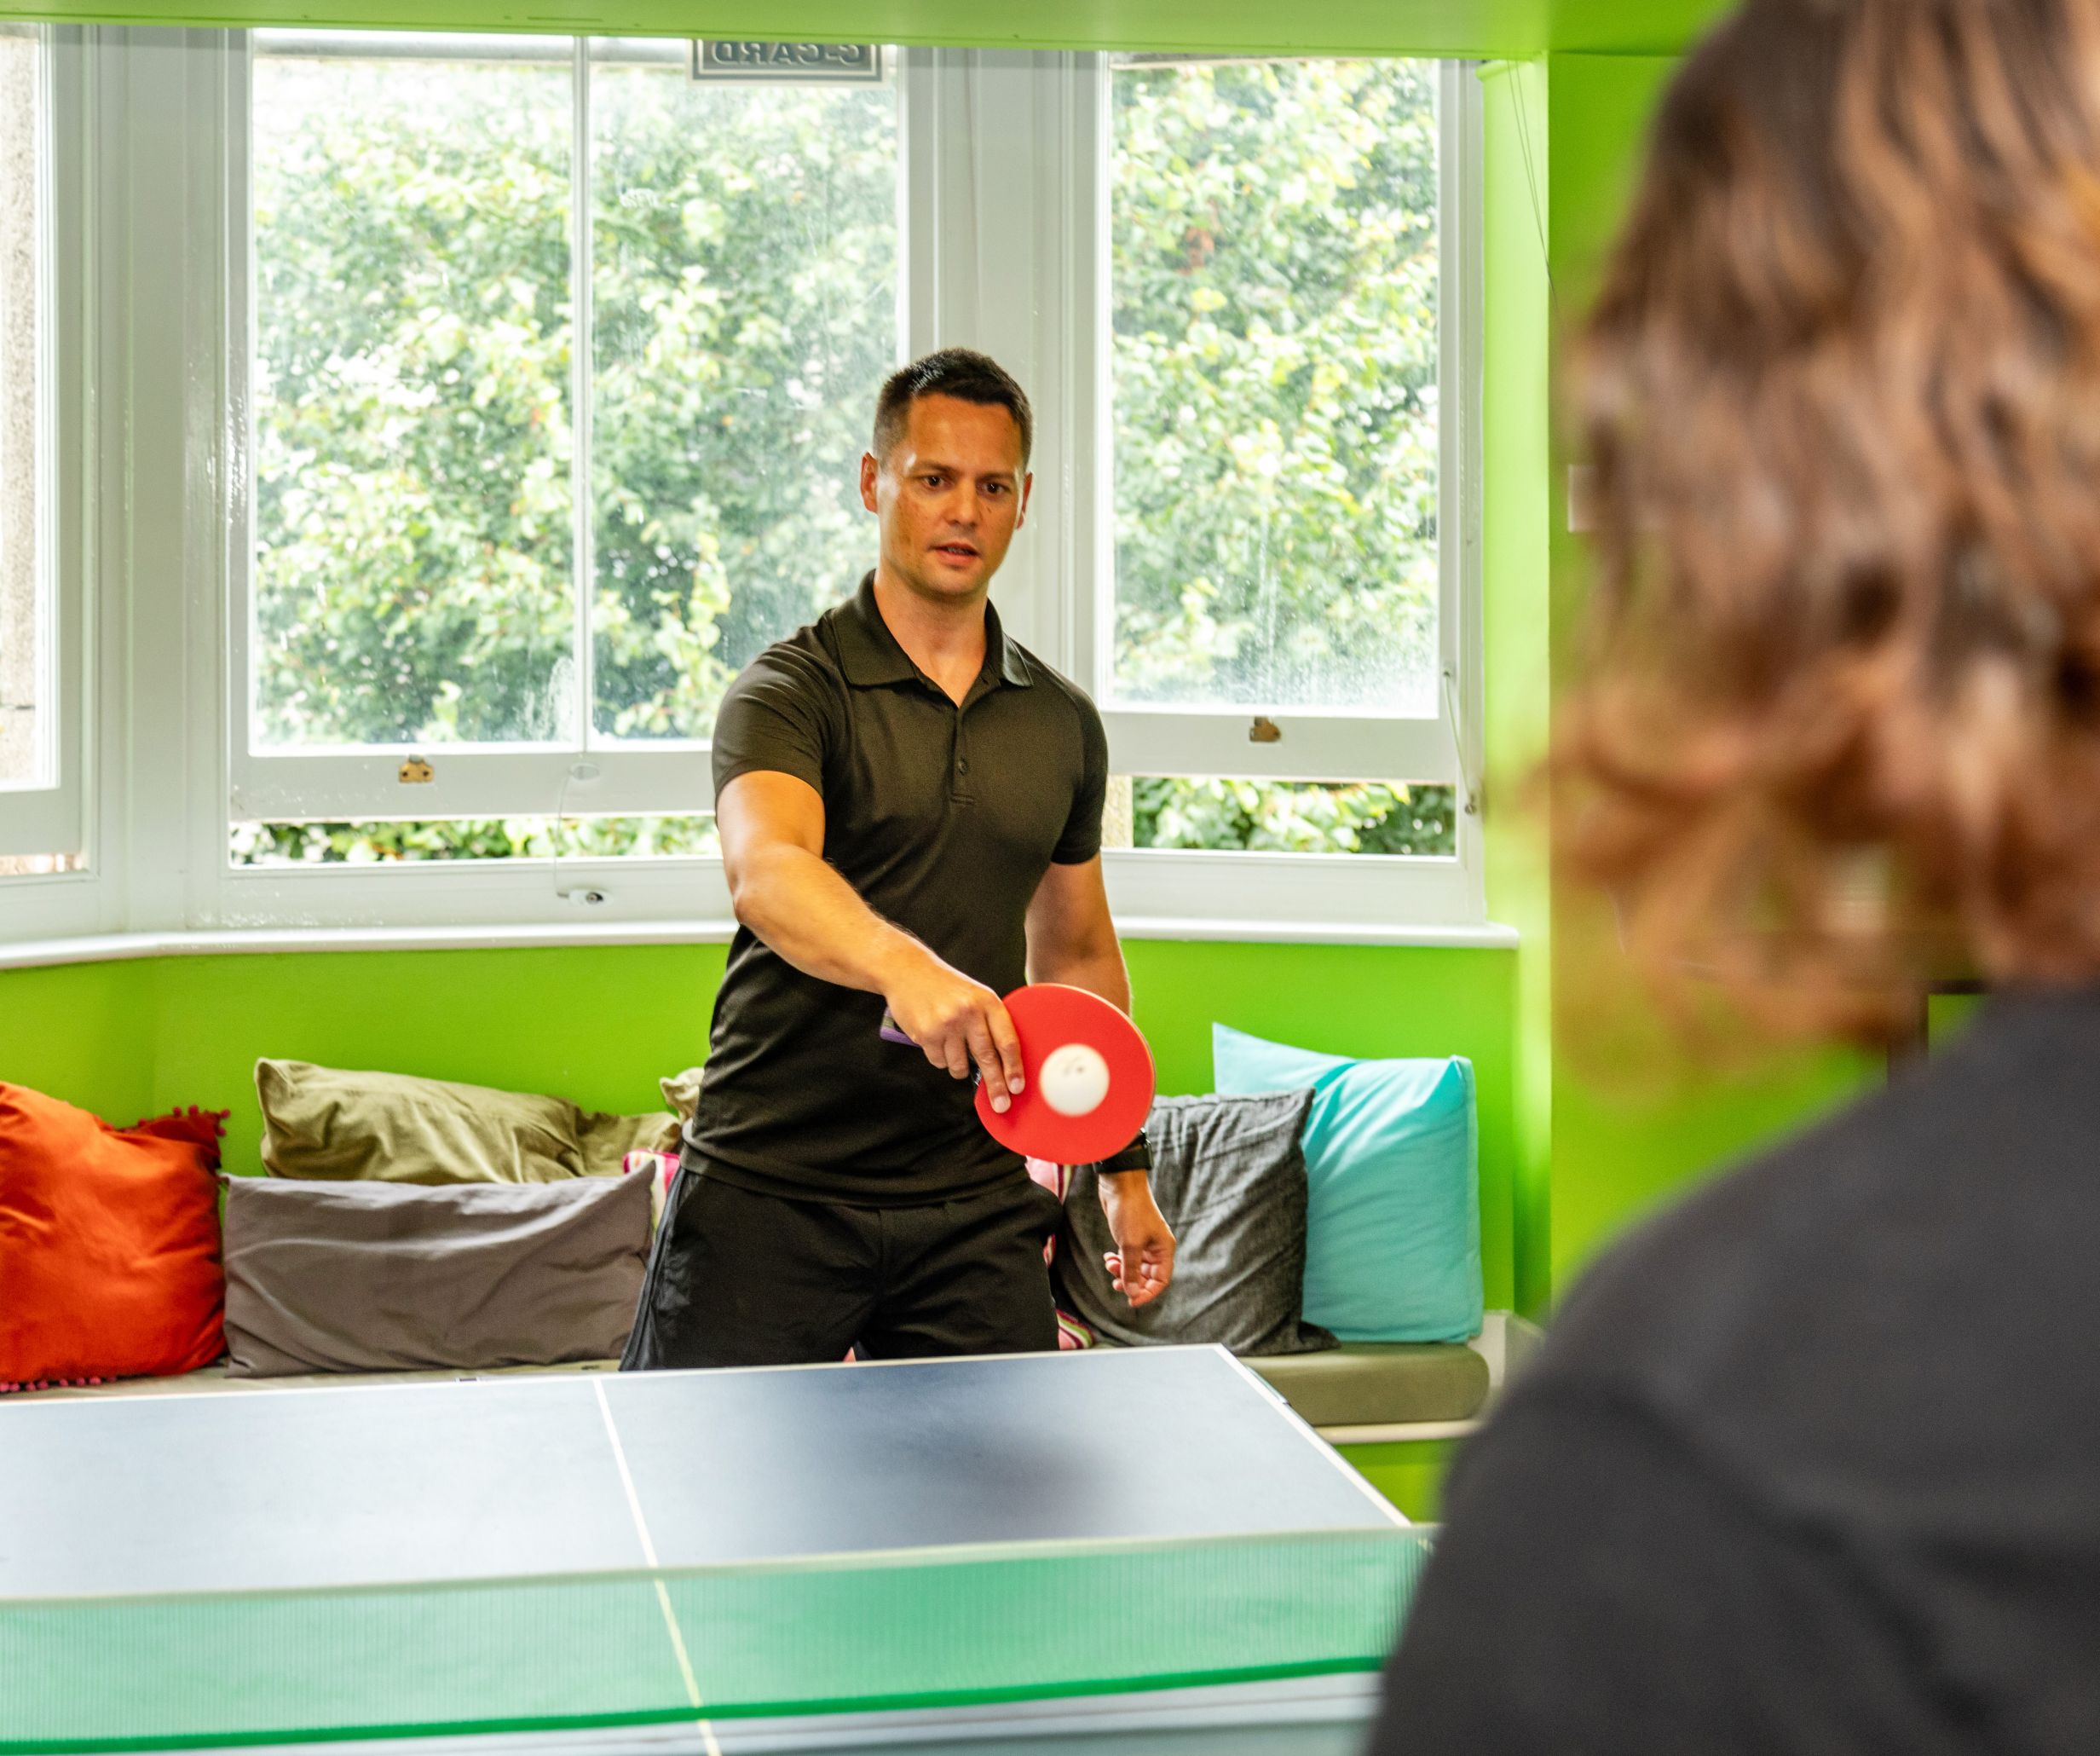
x=1137, y=1156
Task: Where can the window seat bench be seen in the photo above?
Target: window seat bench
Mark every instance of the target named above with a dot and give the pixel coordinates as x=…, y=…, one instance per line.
x=1358, y=1392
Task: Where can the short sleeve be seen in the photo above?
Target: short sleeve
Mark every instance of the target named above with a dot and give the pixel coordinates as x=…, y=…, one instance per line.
x=781, y=715
x=1082, y=838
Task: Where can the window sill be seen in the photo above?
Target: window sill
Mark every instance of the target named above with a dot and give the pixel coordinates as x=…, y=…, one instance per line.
x=1482, y=936
x=116, y=947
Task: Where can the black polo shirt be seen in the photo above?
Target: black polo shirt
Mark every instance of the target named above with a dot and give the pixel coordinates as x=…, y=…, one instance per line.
x=944, y=820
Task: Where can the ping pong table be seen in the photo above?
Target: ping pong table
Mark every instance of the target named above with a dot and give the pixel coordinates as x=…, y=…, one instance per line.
x=1102, y=1551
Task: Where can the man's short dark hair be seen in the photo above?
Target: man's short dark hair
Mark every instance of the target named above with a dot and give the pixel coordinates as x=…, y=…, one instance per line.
x=961, y=373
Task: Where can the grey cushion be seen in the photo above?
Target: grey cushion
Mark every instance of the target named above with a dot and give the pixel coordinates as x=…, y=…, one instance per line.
x=1381, y=1384
x=1229, y=1175
x=388, y=1277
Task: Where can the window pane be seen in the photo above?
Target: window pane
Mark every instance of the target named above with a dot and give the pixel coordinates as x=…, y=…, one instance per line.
x=1281, y=817
x=745, y=312
x=1274, y=261
x=25, y=602
x=364, y=844
x=413, y=314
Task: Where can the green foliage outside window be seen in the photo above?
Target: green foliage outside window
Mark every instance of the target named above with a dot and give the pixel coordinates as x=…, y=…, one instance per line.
x=1275, y=265
x=746, y=315
x=415, y=432
x=358, y=844
x=1252, y=816
x=1282, y=816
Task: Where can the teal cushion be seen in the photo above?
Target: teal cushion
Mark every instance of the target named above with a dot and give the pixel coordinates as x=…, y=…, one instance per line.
x=1392, y=1223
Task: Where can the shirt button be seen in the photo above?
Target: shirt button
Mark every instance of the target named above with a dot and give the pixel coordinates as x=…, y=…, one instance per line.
x=962, y=765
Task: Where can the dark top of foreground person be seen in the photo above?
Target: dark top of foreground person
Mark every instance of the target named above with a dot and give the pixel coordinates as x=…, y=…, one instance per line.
x=944, y=819
x=1811, y=1463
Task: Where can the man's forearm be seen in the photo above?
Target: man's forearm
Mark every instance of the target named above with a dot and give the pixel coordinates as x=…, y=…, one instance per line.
x=810, y=915
x=1100, y=969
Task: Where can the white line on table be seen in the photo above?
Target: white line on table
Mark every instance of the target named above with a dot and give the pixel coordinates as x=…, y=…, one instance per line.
x=649, y=1554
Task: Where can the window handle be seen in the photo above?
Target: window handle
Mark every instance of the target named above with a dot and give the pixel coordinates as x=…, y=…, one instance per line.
x=1264, y=731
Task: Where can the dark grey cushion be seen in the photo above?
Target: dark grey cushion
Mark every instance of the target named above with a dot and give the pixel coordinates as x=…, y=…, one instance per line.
x=380, y=1277
x=1229, y=1175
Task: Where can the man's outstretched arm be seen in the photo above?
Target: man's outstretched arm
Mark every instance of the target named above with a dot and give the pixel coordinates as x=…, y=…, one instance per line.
x=772, y=831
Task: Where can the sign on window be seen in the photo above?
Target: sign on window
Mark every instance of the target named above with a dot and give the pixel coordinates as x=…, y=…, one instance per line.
x=788, y=63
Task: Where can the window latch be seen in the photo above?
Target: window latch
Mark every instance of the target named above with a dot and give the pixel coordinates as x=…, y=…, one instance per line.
x=1264, y=731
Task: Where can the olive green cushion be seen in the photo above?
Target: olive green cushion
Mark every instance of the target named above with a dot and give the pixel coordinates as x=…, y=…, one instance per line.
x=329, y=1123
x=1380, y=1383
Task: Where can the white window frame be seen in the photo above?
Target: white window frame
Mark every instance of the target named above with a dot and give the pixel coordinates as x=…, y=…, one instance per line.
x=49, y=814
x=1440, y=747
x=1027, y=281
x=155, y=479
x=508, y=779
x=593, y=775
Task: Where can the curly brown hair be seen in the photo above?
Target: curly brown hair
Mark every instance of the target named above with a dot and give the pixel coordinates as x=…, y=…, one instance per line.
x=1840, y=393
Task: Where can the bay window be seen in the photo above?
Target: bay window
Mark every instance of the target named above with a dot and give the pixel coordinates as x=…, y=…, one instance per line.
x=502, y=395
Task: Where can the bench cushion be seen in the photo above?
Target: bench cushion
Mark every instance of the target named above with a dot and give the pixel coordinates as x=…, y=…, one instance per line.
x=329, y=1124
x=373, y=1276
x=1380, y=1383
x=1392, y=1242
x=1229, y=1176
x=109, y=1243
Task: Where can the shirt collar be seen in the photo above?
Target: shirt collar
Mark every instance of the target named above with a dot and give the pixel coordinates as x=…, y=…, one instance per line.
x=869, y=655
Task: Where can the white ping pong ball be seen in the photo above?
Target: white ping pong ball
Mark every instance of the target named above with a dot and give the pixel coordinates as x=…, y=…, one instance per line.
x=1073, y=1079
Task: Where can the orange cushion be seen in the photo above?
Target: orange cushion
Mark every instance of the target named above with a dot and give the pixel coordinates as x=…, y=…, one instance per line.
x=109, y=1243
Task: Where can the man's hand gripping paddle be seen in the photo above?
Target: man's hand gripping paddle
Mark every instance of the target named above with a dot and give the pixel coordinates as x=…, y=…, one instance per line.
x=1087, y=1076
x=1087, y=1087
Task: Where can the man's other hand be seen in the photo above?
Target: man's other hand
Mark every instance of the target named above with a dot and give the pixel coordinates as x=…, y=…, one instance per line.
x=1142, y=1263
x=960, y=1024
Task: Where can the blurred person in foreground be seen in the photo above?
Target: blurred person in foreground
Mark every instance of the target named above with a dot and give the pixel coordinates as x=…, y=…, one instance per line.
x=1812, y=1463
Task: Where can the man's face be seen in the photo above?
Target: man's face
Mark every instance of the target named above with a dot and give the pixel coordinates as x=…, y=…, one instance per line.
x=949, y=495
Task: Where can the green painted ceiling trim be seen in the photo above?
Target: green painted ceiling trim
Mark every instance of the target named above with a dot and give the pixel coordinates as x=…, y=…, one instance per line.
x=1486, y=29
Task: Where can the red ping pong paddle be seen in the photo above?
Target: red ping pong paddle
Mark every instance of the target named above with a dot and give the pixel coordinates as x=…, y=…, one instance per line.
x=1088, y=1078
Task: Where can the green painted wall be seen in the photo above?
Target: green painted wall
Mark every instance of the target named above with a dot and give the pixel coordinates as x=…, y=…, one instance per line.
x=82, y=1031
x=600, y=1025
x=1515, y=579
x=1467, y=28
x=1946, y=1015
x=1409, y=1475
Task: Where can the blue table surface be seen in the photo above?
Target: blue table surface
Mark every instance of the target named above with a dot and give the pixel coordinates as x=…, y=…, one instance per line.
x=515, y=1477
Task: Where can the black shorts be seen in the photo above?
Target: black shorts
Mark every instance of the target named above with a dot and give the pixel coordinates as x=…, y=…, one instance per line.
x=737, y=1278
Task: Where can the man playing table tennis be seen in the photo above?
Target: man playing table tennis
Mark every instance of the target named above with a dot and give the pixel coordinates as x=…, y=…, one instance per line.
x=909, y=805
